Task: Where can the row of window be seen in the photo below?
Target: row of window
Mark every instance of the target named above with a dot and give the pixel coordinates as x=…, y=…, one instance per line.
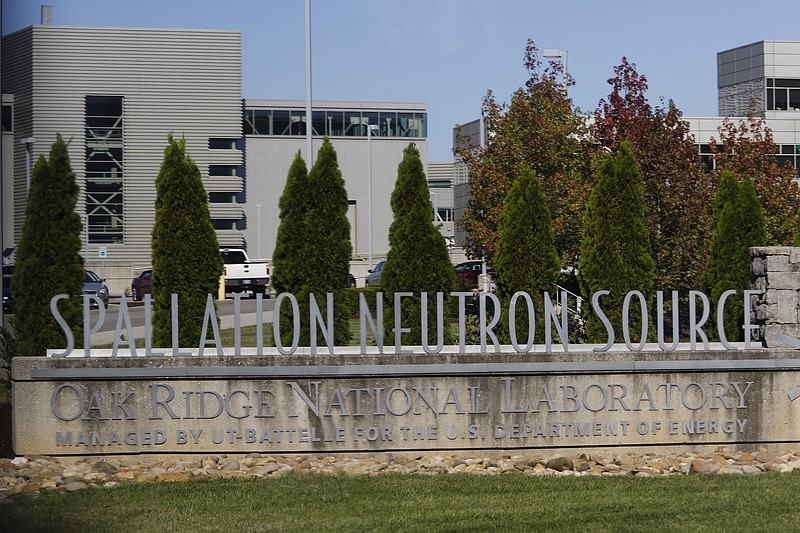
x=335, y=123
x=787, y=153
x=105, y=169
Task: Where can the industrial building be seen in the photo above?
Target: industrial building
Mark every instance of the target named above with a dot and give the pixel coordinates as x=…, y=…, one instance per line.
x=115, y=94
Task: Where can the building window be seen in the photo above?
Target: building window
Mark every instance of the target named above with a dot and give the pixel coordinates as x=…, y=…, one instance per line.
x=783, y=94
x=222, y=170
x=8, y=117
x=224, y=223
x=222, y=144
x=222, y=198
x=334, y=123
x=105, y=167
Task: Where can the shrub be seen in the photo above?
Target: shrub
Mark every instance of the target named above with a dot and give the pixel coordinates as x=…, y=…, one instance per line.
x=186, y=258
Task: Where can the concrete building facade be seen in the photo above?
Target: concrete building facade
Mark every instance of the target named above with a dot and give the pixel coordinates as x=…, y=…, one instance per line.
x=274, y=131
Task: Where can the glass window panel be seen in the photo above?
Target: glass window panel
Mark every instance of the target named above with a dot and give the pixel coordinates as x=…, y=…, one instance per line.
x=370, y=117
x=298, y=123
x=422, y=124
x=8, y=122
x=318, y=123
x=280, y=122
x=405, y=122
x=794, y=99
x=221, y=143
x=770, y=82
x=104, y=106
x=783, y=159
x=247, y=122
x=787, y=83
x=781, y=99
x=335, y=120
x=222, y=170
x=352, y=124
x=787, y=149
x=387, y=123
x=262, y=121
x=770, y=99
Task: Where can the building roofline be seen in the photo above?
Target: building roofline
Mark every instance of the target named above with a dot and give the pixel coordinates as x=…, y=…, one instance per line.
x=336, y=104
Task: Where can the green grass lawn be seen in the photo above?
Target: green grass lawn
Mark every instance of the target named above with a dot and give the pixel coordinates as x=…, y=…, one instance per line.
x=421, y=503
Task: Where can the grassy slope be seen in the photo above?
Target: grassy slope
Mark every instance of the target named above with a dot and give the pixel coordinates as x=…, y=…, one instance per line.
x=417, y=503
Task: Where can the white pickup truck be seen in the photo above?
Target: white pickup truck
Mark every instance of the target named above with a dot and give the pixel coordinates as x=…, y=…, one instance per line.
x=242, y=275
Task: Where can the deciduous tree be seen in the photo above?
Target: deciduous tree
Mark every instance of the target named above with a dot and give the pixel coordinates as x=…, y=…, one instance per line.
x=48, y=257
x=417, y=261
x=186, y=257
x=677, y=193
x=615, y=254
x=539, y=130
x=746, y=148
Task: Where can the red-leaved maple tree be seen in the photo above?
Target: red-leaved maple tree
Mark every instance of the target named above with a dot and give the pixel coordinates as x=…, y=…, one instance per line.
x=677, y=192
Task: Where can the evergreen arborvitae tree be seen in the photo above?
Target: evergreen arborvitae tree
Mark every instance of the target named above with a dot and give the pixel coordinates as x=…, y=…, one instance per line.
x=721, y=247
x=186, y=257
x=740, y=225
x=288, y=261
x=418, y=260
x=48, y=257
x=526, y=258
x=615, y=252
x=327, y=249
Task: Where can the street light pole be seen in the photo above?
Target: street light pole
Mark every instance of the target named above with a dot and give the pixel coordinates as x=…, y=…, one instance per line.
x=309, y=129
x=370, y=127
x=258, y=222
x=562, y=55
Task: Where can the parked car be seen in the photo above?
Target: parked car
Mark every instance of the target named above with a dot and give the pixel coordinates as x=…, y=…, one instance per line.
x=467, y=273
x=94, y=284
x=374, y=277
x=141, y=285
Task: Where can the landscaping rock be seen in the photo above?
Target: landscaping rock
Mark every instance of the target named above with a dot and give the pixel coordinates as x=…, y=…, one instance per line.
x=559, y=464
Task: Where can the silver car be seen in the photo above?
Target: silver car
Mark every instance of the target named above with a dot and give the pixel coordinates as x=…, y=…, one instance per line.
x=374, y=277
x=94, y=284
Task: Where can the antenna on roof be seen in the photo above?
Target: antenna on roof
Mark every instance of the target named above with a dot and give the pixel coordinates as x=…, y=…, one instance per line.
x=47, y=15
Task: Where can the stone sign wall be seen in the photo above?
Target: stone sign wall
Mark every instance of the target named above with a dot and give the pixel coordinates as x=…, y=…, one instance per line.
x=776, y=271
x=400, y=402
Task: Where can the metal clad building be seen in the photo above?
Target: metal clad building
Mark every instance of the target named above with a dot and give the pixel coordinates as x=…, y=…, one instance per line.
x=114, y=94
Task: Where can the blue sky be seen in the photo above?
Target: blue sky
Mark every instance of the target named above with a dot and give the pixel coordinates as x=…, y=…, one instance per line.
x=448, y=53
